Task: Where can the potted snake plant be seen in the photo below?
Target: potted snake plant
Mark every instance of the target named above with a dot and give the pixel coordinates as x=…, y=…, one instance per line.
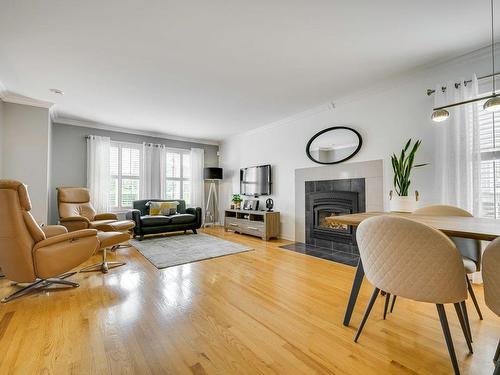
x=403, y=166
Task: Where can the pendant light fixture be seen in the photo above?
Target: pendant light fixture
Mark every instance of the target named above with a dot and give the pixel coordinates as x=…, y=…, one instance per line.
x=440, y=114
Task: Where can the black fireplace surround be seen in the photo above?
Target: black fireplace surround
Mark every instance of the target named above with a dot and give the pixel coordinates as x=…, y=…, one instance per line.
x=332, y=198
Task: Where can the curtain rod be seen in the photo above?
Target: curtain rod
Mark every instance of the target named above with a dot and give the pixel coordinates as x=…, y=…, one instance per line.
x=430, y=91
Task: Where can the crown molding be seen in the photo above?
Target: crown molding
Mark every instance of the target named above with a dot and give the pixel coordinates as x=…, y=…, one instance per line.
x=58, y=119
x=11, y=97
x=376, y=87
x=275, y=124
x=53, y=113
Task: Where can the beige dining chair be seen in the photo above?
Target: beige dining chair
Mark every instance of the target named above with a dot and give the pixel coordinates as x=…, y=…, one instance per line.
x=491, y=280
x=469, y=248
x=405, y=258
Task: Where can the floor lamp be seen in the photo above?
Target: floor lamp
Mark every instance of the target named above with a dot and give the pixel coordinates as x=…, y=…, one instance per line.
x=212, y=174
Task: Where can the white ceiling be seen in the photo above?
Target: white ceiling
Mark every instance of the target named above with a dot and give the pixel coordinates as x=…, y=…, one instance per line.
x=211, y=69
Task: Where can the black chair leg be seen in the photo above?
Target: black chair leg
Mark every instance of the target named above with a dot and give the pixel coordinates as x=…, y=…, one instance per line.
x=194, y=231
x=447, y=336
x=497, y=369
x=386, y=305
x=463, y=305
x=473, y=296
x=497, y=354
x=461, y=319
x=393, y=303
x=367, y=313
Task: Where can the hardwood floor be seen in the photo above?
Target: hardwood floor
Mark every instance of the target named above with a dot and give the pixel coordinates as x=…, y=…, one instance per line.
x=266, y=311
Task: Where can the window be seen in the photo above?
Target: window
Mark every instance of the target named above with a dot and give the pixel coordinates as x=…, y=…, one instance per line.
x=125, y=167
x=178, y=175
x=489, y=140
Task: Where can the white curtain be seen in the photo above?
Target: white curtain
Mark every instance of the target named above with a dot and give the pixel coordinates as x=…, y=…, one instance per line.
x=458, y=157
x=153, y=171
x=197, y=181
x=98, y=171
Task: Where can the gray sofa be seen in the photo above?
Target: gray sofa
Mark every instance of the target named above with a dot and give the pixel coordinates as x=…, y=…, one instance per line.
x=185, y=219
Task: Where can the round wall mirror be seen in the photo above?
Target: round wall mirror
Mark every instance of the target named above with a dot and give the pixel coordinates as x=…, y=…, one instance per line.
x=334, y=145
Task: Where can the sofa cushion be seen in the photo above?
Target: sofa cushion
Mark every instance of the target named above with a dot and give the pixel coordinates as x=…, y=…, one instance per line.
x=143, y=206
x=163, y=208
x=182, y=219
x=155, y=221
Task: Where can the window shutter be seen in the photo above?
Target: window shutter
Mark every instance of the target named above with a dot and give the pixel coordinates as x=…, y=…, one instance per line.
x=125, y=171
x=489, y=140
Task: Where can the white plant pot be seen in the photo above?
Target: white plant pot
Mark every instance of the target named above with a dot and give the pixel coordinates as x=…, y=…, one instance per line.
x=403, y=204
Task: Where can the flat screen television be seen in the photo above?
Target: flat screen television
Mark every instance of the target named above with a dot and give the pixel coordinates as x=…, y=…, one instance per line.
x=255, y=181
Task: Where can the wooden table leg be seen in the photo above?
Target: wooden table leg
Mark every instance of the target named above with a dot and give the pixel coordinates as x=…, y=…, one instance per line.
x=356, y=285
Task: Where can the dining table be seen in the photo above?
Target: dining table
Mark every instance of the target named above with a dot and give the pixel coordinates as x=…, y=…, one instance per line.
x=484, y=229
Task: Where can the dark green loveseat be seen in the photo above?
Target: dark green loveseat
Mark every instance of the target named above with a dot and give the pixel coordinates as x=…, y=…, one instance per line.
x=185, y=219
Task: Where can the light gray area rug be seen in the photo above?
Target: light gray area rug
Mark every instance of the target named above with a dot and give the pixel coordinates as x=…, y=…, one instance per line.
x=174, y=250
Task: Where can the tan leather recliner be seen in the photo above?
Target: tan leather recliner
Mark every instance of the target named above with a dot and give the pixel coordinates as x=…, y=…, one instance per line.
x=76, y=212
x=33, y=254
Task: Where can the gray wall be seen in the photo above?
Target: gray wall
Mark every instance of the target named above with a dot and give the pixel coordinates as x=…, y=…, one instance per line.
x=69, y=155
x=25, y=152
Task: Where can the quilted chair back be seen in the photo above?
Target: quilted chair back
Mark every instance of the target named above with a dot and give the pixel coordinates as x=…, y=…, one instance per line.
x=491, y=276
x=18, y=233
x=74, y=201
x=411, y=260
x=468, y=247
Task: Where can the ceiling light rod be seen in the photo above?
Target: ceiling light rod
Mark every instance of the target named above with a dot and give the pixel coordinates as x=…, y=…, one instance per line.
x=431, y=91
x=492, y=104
x=466, y=102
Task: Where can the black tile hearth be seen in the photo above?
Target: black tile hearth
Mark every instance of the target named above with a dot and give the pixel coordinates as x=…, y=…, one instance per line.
x=338, y=256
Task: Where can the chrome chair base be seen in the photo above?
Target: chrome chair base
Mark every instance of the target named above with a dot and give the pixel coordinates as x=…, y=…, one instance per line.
x=123, y=246
x=41, y=284
x=103, y=266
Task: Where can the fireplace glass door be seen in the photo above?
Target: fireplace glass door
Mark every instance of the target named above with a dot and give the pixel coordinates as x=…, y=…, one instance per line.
x=323, y=213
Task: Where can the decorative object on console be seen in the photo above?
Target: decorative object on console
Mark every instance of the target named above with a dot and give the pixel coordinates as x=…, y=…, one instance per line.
x=236, y=201
x=334, y=145
x=212, y=174
x=251, y=204
x=403, y=166
x=269, y=205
